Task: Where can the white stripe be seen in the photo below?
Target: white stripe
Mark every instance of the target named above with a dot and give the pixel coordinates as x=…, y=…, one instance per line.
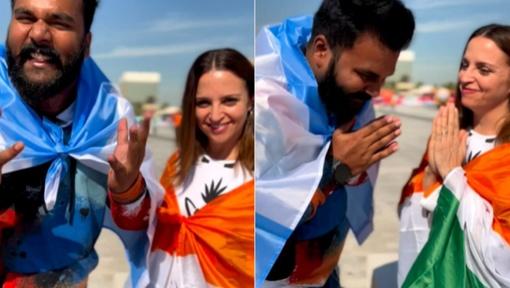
x=415, y=222
x=487, y=253
x=455, y=181
x=169, y=271
x=429, y=203
x=289, y=158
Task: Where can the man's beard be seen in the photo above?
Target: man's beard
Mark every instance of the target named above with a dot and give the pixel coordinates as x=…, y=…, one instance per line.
x=344, y=106
x=36, y=91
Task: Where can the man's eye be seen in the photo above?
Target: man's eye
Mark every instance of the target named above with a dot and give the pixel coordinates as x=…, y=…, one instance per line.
x=25, y=19
x=61, y=25
x=367, y=77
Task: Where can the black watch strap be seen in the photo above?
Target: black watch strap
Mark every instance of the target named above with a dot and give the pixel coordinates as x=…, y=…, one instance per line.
x=342, y=173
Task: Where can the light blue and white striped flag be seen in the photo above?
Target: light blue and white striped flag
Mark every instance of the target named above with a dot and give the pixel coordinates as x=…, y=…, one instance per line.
x=293, y=132
x=98, y=109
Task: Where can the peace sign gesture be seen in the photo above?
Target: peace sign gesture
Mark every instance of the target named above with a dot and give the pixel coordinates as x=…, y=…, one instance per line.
x=128, y=155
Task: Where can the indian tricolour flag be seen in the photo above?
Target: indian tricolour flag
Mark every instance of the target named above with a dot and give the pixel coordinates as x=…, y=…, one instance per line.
x=468, y=244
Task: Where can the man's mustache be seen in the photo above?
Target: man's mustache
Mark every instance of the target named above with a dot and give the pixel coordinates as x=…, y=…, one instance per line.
x=360, y=96
x=51, y=54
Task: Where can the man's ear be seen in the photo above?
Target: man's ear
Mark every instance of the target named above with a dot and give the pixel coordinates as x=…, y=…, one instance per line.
x=87, y=42
x=319, y=55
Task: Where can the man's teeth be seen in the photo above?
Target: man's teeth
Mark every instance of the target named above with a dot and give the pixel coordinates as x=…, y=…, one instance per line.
x=39, y=57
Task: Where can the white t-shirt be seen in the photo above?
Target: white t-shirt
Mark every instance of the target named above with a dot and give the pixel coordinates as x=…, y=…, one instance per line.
x=478, y=144
x=209, y=179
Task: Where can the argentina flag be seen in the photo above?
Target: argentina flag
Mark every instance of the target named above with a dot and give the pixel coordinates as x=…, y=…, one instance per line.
x=98, y=110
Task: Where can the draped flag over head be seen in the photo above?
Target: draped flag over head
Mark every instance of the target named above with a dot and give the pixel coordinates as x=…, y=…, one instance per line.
x=469, y=240
x=293, y=132
x=98, y=109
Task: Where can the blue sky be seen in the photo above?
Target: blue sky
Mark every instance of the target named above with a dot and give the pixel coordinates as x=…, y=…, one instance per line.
x=443, y=26
x=163, y=36
x=166, y=36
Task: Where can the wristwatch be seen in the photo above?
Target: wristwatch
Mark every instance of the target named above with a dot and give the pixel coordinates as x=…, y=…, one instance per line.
x=341, y=173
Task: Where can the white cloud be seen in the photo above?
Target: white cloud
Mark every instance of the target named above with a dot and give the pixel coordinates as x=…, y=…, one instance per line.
x=143, y=51
x=174, y=24
x=456, y=24
x=163, y=50
x=442, y=26
x=434, y=4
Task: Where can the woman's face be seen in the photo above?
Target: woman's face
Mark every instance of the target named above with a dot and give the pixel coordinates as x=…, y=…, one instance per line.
x=222, y=106
x=484, y=77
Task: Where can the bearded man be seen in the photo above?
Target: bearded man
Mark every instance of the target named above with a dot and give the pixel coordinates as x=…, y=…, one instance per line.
x=317, y=143
x=66, y=141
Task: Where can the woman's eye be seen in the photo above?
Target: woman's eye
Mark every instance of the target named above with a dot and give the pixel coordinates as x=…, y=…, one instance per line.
x=230, y=101
x=202, y=103
x=485, y=71
x=464, y=64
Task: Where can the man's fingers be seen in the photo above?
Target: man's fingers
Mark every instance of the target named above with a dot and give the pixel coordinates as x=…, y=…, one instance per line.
x=11, y=152
x=384, y=141
x=383, y=153
x=377, y=124
x=386, y=130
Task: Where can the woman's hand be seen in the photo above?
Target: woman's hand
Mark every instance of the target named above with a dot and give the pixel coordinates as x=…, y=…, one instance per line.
x=127, y=158
x=447, y=147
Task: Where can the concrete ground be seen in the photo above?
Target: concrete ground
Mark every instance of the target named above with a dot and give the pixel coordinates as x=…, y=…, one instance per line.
x=371, y=265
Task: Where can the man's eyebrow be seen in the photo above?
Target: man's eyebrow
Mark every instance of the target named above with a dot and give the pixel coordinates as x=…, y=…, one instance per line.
x=371, y=75
x=62, y=17
x=53, y=16
x=22, y=11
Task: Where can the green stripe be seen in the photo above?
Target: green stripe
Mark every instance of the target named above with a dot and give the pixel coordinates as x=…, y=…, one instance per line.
x=442, y=263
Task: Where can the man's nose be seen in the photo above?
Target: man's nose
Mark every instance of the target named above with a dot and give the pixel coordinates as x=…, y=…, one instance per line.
x=374, y=90
x=40, y=33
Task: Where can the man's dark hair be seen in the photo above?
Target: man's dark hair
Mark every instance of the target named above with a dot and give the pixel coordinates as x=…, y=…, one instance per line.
x=89, y=10
x=342, y=21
